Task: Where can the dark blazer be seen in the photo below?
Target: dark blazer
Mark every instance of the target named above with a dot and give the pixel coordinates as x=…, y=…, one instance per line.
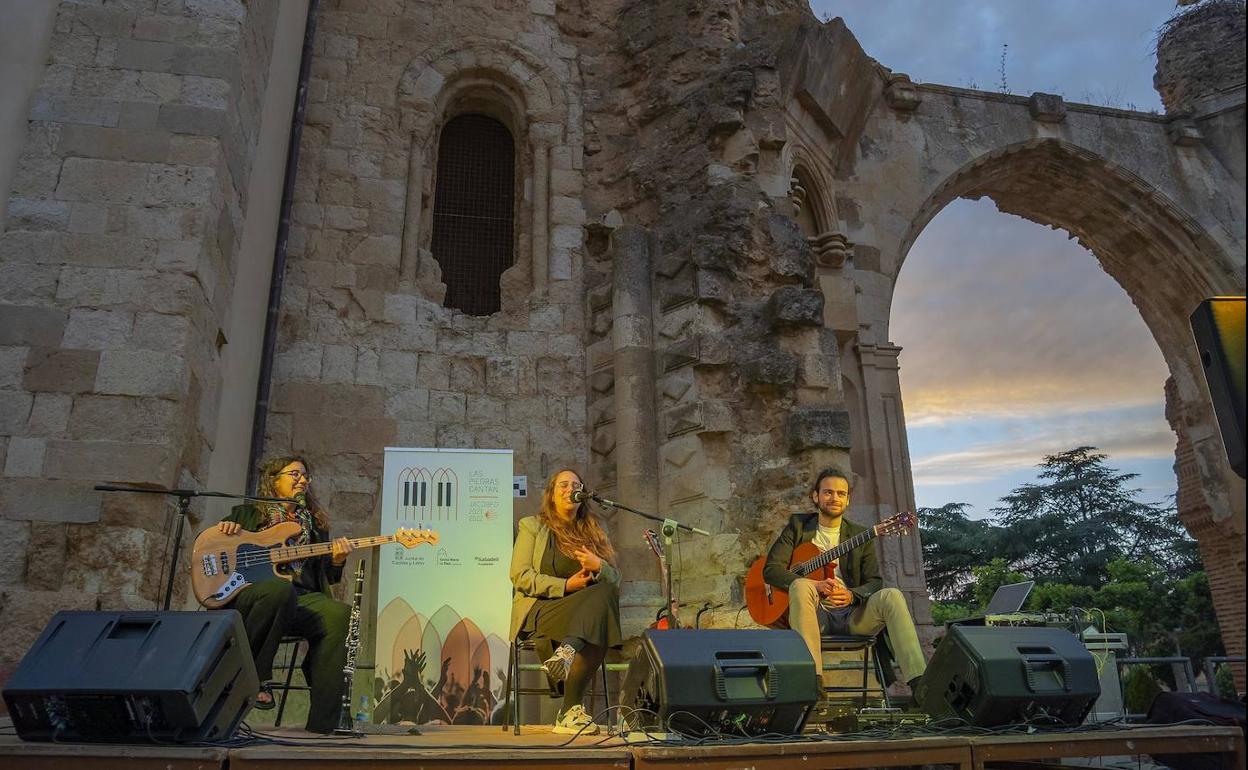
x=861, y=569
x=319, y=572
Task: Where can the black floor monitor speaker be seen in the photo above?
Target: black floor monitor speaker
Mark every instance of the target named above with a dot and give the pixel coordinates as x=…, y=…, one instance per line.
x=711, y=681
x=998, y=675
x=1218, y=325
x=131, y=677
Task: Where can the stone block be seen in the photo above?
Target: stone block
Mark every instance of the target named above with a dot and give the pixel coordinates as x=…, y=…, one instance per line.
x=818, y=428
x=75, y=109
x=346, y=217
x=1047, y=108
x=303, y=398
x=193, y=120
x=777, y=368
x=50, y=500
x=122, y=418
x=25, y=282
x=141, y=373
x=12, y=365
x=486, y=410
x=526, y=343
x=410, y=406
x=467, y=375
x=376, y=250
x=49, y=415
x=110, y=461
x=399, y=367
x=31, y=325
x=45, y=559
x=795, y=306
x=14, y=541
x=26, y=613
x=338, y=364
x=300, y=361
x=165, y=29
x=37, y=214
x=160, y=331
x=447, y=408
x=434, y=372
x=502, y=375
x=326, y=434
x=106, y=563
x=212, y=93
x=25, y=457
x=61, y=371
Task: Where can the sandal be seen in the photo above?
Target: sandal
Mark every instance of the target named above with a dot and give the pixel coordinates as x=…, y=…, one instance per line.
x=265, y=705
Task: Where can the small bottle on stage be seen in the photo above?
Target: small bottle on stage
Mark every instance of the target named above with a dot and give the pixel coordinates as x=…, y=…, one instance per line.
x=362, y=717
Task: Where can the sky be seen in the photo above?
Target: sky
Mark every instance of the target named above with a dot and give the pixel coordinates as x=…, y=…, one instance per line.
x=1037, y=350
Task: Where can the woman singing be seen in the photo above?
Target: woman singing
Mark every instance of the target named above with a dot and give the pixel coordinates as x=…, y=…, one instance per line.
x=302, y=606
x=567, y=593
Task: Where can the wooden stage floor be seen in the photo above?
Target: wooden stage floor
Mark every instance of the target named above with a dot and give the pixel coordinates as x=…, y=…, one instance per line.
x=538, y=747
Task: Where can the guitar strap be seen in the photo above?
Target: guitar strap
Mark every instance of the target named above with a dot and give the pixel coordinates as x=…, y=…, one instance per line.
x=302, y=515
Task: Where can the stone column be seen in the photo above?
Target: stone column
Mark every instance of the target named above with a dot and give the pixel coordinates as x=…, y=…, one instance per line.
x=636, y=449
x=884, y=426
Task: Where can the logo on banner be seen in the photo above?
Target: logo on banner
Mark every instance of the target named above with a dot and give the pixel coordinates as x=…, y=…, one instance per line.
x=426, y=495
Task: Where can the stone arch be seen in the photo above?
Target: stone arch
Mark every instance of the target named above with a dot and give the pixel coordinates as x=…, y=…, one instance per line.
x=1167, y=263
x=520, y=90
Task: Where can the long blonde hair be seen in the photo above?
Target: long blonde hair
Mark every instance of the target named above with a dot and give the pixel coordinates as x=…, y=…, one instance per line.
x=266, y=487
x=584, y=530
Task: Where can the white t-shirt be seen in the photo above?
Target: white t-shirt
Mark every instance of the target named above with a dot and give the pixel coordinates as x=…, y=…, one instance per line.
x=829, y=537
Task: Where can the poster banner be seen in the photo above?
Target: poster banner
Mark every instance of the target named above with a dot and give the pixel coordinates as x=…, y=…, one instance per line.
x=444, y=609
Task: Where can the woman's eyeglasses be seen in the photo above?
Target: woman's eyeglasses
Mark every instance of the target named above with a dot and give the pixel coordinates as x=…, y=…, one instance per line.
x=296, y=475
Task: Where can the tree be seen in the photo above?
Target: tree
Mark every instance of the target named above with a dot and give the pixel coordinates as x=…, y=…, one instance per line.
x=953, y=545
x=1082, y=516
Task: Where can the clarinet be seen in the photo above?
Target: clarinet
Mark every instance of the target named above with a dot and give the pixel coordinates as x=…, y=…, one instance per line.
x=346, y=725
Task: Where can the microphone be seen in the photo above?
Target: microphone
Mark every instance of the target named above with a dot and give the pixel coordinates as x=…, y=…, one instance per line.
x=301, y=499
x=580, y=496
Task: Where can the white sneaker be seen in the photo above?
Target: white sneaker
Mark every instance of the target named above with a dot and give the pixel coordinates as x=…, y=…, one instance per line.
x=557, y=665
x=574, y=721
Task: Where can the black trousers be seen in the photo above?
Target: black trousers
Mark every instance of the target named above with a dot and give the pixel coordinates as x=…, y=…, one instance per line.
x=273, y=609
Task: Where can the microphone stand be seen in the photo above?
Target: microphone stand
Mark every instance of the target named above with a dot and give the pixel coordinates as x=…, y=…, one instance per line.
x=184, y=504
x=668, y=528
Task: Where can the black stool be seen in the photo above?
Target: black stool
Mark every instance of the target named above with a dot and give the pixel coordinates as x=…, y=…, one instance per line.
x=293, y=658
x=868, y=662
x=514, y=690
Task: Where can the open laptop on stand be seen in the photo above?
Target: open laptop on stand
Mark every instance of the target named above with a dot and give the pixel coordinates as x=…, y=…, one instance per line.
x=1007, y=600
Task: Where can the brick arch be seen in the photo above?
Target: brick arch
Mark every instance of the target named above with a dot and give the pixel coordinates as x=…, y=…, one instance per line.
x=1167, y=263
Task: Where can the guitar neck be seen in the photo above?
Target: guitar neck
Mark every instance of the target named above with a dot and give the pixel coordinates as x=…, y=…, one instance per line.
x=834, y=553
x=283, y=554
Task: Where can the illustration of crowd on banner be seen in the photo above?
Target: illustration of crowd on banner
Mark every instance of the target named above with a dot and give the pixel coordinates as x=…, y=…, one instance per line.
x=444, y=611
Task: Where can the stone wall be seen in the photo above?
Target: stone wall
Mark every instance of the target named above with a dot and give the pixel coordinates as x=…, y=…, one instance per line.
x=1200, y=54
x=116, y=265
x=367, y=356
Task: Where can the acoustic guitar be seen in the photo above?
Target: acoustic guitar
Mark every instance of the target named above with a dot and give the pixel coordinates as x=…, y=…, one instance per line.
x=769, y=606
x=222, y=565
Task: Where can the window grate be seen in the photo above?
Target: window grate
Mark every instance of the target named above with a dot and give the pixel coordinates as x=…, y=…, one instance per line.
x=472, y=211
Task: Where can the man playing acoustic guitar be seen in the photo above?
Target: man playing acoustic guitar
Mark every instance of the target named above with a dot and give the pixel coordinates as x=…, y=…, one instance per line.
x=854, y=601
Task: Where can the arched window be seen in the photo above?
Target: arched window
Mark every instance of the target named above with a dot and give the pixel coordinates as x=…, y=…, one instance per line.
x=473, y=201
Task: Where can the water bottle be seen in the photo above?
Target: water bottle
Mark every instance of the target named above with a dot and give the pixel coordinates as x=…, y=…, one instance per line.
x=362, y=717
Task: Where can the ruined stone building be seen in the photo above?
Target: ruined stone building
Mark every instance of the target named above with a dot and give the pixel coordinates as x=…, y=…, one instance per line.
x=655, y=240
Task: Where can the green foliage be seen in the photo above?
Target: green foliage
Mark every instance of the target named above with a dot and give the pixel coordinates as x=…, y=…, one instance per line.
x=1224, y=682
x=1139, y=688
x=1089, y=543
x=990, y=577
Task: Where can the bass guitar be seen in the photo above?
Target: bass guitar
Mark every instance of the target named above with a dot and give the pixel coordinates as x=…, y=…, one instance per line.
x=769, y=606
x=222, y=565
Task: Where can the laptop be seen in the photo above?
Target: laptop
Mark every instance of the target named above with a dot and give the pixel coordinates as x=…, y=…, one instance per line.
x=1008, y=599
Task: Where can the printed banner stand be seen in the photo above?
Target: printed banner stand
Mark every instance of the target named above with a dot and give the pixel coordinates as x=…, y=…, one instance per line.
x=444, y=610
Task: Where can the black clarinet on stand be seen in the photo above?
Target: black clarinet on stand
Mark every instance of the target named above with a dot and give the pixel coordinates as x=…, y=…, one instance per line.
x=346, y=725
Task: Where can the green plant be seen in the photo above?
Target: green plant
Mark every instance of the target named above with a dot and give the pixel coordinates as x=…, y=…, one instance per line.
x=1139, y=688
x=1224, y=682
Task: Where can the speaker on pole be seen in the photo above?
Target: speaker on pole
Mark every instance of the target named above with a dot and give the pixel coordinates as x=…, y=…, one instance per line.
x=129, y=677
x=999, y=675
x=720, y=681
x=1218, y=325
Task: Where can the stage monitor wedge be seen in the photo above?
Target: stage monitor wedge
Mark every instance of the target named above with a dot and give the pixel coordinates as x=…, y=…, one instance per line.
x=1218, y=325
x=720, y=682
x=998, y=675
x=134, y=677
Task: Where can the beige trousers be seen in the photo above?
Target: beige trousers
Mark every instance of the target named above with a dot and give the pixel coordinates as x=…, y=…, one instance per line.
x=885, y=609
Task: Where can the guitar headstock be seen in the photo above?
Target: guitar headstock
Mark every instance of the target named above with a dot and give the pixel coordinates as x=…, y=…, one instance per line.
x=652, y=539
x=899, y=524
x=410, y=538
